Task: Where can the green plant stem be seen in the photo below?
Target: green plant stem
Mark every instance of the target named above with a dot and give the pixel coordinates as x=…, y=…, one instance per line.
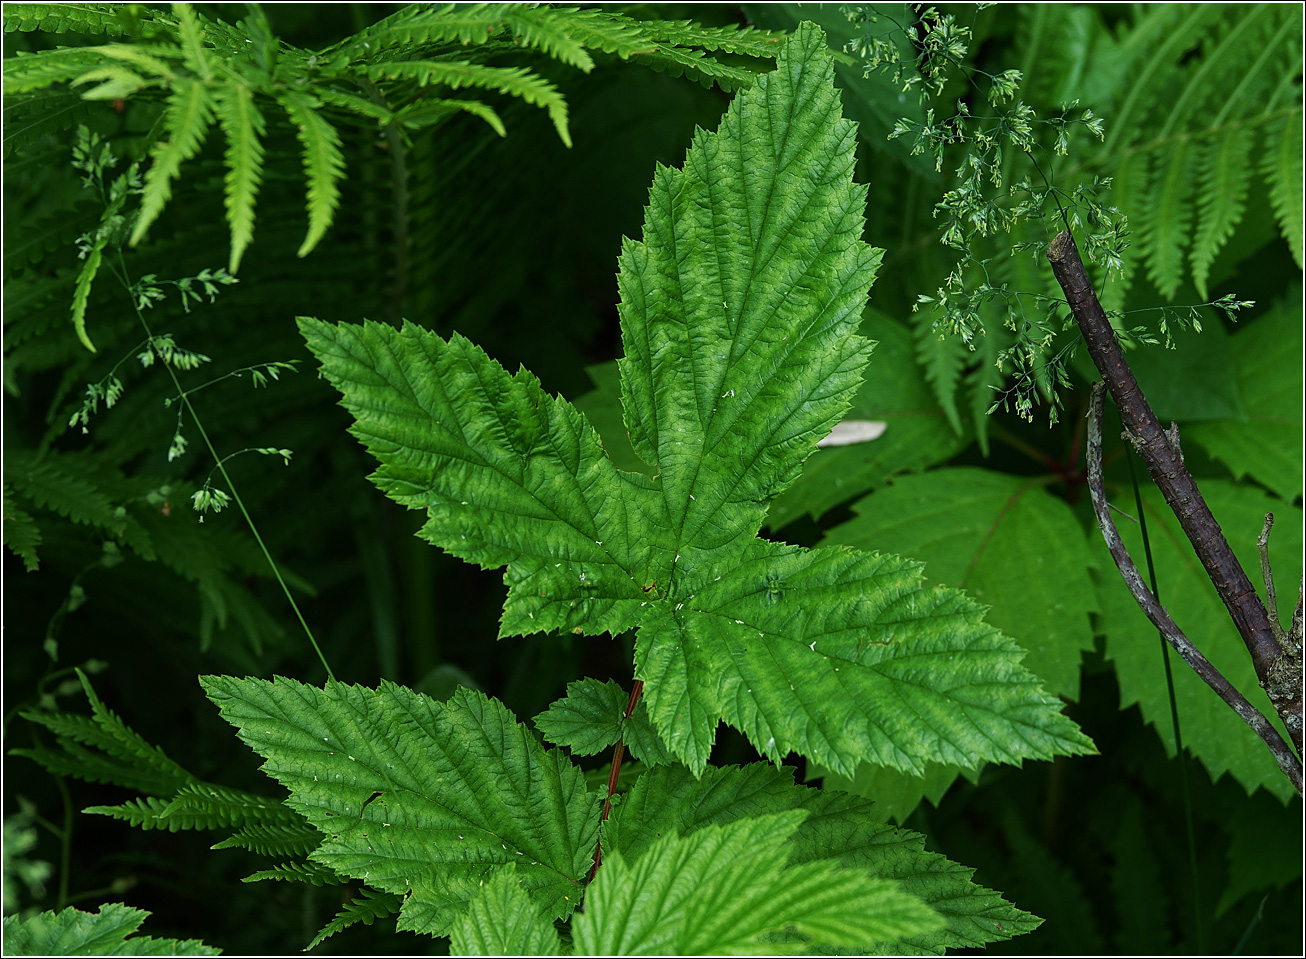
x=617, y=752
x=235, y=494
x=1180, y=755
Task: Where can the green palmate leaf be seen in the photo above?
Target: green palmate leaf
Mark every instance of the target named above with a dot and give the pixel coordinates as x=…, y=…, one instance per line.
x=1267, y=443
x=739, y=311
x=916, y=433
x=1211, y=730
x=839, y=829
x=977, y=529
x=591, y=718
x=725, y=887
x=72, y=932
x=419, y=798
x=502, y=921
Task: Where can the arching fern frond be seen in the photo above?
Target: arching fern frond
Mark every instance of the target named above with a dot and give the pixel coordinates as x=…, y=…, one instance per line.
x=109, y=19
x=324, y=164
x=369, y=906
x=244, y=126
x=310, y=872
x=208, y=66
x=187, y=119
x=116, y=753
x=20, y=532
x=33, y=117
x=513, y=81
x=28, y=72
x=206, y=806
x=1282, y=169
x=277, y=841
x=1200, y=89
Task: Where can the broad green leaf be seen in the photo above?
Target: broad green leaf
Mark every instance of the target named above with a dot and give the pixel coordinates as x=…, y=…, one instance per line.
x=1211, y=730
x=1194, y=381
x=71, y=932
x=896, y=794
x=1268, y=443
x=838, y=828
x=918, y=434
x=591, y=717
x=724, y=887
x=420, y=798
x=502, y=921
x=739, y=311
x=1005, y=540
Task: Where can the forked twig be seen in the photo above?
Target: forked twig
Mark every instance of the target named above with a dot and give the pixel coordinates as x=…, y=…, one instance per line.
x=1161, y=619
x=1278, y=665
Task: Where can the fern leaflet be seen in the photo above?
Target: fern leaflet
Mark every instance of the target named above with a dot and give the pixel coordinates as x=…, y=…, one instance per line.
x=324, y=164
x=187, y=118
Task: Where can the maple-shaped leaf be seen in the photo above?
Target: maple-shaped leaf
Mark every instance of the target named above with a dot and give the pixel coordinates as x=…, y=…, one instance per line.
x=421, y=798
x=739, y=312
x=106, y=932
x=839, y=829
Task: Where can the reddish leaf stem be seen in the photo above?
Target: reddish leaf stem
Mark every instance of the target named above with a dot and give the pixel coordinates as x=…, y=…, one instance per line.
x=617, y=752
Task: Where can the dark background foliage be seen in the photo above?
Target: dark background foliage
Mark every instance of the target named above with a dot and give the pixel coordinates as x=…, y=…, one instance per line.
x=511, y=242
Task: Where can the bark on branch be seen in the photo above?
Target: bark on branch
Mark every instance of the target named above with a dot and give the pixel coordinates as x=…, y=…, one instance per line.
x=1277, y=668
x=1157, y=613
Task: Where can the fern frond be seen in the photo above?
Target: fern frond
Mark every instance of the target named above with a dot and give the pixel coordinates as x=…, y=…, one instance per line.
x=310, y=872
x=152, y=62
x=425, y=113
x=455, y=74
x=205, y=806
x=243, y=125
x=608, y=32
x=275, y=841
x=324, y=164
x=28, y=72
x=82, y=288
x=749, y=41
x=21, y=533
x=414, y=28
x=353, y=104
x=1225, y=173
x=81, y=763
x=1165, y=217
x=44, y=482
x=143, y=812
x=186, y=120
x=1282, y=168
x=549, y=30
x=369, y=906
x=115, y=83
x=85, y=18
x=28, y=119
x=696, y=65
x=941, y=358
x=192, y=41
x=1198, y=90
